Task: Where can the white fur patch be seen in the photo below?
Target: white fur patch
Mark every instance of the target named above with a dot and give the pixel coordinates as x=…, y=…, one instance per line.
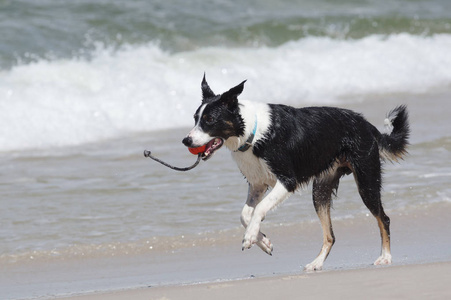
x=198, y=136
x=388, y=125
x=254, y=169
x=249, y=111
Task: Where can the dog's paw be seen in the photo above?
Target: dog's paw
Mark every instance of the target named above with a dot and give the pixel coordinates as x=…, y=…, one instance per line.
x=248, y=241
x=315, y=265
x=265, y=244
x=251, y=235
x=384, y=259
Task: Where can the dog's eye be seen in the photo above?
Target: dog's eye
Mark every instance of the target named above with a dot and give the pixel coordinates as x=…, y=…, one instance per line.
x=208, y=119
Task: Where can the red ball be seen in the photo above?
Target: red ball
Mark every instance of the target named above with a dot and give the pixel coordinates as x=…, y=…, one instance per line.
x=197, y=150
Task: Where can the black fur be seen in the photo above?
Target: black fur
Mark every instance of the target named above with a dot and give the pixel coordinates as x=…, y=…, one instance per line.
x=223, y=119
x=323, y=136
x=396, y=142
x=207, y=93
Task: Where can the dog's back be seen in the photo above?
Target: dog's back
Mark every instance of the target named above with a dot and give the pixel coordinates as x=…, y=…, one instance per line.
x=302, y=143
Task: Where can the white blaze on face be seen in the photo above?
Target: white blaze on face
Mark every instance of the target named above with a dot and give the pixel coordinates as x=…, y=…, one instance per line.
x=198, y=136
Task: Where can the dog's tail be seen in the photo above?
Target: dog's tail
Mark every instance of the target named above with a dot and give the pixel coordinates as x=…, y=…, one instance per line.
x=393, y=145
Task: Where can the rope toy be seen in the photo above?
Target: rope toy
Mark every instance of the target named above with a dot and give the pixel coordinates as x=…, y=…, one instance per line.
x=199, y=151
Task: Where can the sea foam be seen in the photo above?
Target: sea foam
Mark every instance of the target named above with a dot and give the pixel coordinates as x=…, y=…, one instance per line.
x=141, y=88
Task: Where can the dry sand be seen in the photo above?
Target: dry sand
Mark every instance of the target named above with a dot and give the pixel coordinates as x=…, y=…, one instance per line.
x=427, y=281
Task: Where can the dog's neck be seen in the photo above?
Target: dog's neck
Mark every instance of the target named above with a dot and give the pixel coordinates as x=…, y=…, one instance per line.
x=256, y=117
x=250, y=139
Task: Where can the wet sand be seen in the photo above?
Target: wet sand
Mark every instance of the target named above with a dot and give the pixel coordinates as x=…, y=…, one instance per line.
x=427, y=281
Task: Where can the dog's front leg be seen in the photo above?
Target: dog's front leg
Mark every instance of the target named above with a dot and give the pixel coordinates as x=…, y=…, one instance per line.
x=278, y=194
x=255, y=195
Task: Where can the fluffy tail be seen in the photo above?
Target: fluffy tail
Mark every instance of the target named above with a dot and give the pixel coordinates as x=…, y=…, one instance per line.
x=393, y=145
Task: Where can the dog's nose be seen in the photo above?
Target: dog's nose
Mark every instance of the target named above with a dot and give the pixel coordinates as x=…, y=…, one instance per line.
x=188, y=141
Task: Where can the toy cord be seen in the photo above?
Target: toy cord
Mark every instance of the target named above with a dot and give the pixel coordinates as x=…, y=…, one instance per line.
x=147, y=153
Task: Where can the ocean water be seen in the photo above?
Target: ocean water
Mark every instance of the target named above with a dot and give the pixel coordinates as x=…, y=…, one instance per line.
x=86, y=86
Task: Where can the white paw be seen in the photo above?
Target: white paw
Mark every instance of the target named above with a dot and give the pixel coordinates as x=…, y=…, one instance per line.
x=251, y=235
x=384, y=259
x=313, y=266
x=265, y=244
x=249, y=240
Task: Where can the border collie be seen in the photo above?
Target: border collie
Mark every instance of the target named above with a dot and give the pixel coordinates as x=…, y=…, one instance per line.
x=281, y=148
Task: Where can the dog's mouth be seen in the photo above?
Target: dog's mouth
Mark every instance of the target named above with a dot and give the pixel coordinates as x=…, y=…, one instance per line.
x=211, y=147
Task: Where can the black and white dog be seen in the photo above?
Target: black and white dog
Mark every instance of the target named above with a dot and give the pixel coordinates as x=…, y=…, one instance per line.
x=281, y=148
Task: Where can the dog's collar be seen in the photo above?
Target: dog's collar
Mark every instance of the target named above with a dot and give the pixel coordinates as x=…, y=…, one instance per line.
x=249, y=140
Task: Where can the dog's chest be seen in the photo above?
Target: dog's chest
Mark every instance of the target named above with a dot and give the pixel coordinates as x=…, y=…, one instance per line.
x=254, y=169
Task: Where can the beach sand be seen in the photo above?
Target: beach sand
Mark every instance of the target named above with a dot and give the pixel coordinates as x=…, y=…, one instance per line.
x=428, y=281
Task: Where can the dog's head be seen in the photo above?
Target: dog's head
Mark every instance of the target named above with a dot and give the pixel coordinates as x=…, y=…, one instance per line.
x=216, y=119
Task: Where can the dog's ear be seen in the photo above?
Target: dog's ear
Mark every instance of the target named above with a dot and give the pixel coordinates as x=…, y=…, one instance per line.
x=207, y=93
x=231, y=96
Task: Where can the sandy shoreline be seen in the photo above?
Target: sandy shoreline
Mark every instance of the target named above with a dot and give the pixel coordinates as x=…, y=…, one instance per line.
x=421, y=266
x=426, y=281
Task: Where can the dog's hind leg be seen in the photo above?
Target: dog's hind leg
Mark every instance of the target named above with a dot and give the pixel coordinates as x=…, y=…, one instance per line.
x=322, y=197
x=368, y=179
x=254, y=197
